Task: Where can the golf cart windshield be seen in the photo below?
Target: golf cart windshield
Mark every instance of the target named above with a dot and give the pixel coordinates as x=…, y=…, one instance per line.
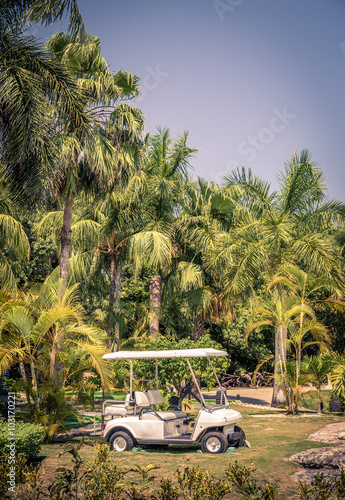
x=168, y=354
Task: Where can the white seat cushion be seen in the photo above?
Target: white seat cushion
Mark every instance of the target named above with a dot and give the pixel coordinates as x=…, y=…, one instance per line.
x=115, y=410
x=155, y=397
x=141, y=399
x=169, y=415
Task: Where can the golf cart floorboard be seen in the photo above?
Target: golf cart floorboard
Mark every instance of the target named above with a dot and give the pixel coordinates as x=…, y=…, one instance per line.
x=183, y=439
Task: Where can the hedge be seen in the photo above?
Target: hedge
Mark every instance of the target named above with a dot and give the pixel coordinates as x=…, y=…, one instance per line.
x=27, y=438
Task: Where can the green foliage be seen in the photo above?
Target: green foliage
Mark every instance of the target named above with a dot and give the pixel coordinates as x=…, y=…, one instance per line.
x=134, y=490
x=245, y=355
x=67, y=484
x=195, y=484
x=20, y=470
x=86, y=392
x=335, y=320
x=167, y=491
x=55, y=407
x=104, y=479
x=337, y=374
x=321, y=489
x=172, y=372
x=28, y=438
x=247, y=485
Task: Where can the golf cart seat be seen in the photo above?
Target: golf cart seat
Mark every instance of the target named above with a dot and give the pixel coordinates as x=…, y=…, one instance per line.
x=120, y=410
x=155, y=398
x=115, y=410
x=145, y=400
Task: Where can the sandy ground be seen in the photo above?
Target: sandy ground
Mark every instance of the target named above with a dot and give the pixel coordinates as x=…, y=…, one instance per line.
x=261, y=396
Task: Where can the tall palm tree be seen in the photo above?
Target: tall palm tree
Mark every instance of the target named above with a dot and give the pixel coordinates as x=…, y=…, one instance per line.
x=87, y=154
x=289, y=226
x=207, y=211
x=123, y=217
x=30, y=85
x=304, y=287
x=278, y=312
x=165, y=170
x=102, y=232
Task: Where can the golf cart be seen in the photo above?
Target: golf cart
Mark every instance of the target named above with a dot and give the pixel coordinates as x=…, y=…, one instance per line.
x=138, y=422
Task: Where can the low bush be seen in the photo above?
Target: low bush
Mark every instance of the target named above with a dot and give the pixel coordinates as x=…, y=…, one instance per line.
x=103, y=479
x=27, y=438
x=18, y=469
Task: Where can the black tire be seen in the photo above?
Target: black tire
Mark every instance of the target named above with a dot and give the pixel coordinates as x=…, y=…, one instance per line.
x=121, y=441
x=214, y=442
x=239, y=442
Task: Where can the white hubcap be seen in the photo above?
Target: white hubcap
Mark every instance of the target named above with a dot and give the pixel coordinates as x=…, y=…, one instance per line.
x=119, y=444
x=213, y=444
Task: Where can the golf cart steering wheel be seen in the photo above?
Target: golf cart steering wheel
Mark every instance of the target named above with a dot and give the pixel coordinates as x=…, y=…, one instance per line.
x=176, y=401
x=187, y=389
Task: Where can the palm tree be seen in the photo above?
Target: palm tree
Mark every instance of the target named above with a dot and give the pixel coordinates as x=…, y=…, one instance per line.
x=304, y=289
x=289, y=226
x=86, y=154
x=337, y=373
x=165, y=169
x=43, y=329
x=13, y=241
x=30, y=85
x=207, y=211
x=317, y=369
x=102, y=231
x=278, y=312
x=18, y=13
x=123, y=216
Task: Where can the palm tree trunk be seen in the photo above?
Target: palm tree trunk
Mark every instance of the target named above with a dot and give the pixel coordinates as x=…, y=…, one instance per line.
x=34, y=383
x=319, y=406
x=111, y=297
x=66, y=238
x=24, y=377
x=64, y=260
x=117, y=308
x=52, y=361
x=278, y=396
x=155, y=304
x=198, y=329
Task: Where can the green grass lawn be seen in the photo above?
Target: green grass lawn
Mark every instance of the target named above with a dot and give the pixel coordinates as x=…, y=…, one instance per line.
x=273, y=440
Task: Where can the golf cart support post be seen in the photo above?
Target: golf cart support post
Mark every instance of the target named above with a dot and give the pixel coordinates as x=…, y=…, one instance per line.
x=140, y=423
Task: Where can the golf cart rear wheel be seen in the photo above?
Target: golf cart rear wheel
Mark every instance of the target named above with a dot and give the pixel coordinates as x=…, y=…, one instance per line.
x=239, y=442
x=121, y=441
x=214, y=442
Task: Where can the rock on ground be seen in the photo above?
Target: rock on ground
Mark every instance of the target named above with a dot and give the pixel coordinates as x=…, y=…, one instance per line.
x=327, y=461
x=332, y=433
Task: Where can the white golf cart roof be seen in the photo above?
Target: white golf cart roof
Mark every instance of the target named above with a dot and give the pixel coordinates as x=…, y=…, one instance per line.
x=178, y=353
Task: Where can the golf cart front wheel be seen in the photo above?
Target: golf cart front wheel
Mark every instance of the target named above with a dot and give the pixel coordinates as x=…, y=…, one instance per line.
x=120, y=441
x=214, y=442
x=241, y=440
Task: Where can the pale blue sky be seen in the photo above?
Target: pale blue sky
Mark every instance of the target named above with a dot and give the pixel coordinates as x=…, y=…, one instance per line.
x=249, y=79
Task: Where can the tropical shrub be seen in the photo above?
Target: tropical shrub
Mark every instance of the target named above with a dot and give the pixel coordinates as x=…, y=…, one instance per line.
x=245, y=354
x=247, y=485
x=28, y=438
x=55, y=408
x=195, y=484
x=20, y=468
